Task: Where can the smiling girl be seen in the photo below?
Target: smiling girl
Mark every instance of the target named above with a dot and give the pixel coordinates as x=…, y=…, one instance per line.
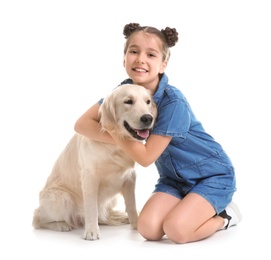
x=192, y=198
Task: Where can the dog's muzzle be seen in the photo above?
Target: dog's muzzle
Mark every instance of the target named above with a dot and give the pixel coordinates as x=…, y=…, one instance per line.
x=144, y=132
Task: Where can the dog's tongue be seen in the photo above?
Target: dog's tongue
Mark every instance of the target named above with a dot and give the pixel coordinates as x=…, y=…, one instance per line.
x=143, y=133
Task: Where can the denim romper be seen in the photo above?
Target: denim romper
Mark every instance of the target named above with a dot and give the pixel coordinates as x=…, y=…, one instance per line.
x=193, y=161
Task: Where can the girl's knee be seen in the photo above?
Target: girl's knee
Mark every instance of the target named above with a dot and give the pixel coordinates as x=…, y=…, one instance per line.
x=175, y=232
x=149, y=229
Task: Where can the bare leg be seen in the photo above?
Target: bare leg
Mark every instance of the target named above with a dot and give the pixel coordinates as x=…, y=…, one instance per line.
x=191, y=220
x=153, y=214
x=186, y=220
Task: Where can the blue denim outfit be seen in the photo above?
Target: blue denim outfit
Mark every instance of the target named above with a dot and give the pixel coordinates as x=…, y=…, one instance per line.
x=193, y=161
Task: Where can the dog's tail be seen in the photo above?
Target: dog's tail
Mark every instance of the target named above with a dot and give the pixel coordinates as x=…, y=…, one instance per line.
x=114, y=217
x=36, y=219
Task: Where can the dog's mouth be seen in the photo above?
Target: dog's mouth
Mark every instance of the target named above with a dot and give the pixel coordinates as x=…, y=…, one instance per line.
x=140, y=134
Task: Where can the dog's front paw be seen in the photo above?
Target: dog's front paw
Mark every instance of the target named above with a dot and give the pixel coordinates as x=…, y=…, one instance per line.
x=134, y=224
x=92, y=233
x=133, y=220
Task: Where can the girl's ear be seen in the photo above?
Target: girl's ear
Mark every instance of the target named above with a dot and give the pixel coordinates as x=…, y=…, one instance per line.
x=163, y=67
x=108, y=113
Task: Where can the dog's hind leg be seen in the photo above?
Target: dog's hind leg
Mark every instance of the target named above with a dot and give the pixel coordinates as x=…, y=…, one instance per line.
x=39, y=222
x=56, y=211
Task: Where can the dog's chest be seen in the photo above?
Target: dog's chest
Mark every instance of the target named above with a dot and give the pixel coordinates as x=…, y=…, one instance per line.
x=104, y=157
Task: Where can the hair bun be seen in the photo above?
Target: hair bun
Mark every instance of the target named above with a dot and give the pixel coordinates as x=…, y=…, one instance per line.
x=130, y=28
x=171, y=36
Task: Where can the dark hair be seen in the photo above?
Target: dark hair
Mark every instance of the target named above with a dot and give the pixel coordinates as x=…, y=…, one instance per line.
x=168, y=36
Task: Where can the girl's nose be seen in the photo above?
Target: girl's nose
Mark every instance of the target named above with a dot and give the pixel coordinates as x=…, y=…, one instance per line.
x=140, y=58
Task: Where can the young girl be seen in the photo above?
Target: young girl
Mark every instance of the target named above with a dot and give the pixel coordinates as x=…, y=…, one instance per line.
x=192, y=198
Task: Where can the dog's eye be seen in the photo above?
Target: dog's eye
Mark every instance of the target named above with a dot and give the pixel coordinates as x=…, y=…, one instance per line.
x=129, y=102
x=148, y=102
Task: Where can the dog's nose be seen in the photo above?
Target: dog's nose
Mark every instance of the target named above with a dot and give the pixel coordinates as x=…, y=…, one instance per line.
x=146, y=119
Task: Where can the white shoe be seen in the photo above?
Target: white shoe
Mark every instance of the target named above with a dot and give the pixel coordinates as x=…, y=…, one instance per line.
x=232, y=214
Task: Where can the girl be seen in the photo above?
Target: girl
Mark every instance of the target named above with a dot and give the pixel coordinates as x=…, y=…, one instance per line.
x=192, y=198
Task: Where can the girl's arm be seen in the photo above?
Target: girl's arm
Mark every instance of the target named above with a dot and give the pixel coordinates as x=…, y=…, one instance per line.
x=146, y=154
x=89, y=126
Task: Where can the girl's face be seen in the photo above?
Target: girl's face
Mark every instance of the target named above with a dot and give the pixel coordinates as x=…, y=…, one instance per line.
x=143, y=60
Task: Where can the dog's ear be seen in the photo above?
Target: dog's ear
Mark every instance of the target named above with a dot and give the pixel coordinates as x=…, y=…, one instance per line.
x=154, y=109
x=107, y=113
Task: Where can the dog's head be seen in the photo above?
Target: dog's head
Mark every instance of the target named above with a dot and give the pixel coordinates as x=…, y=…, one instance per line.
x=129, y=111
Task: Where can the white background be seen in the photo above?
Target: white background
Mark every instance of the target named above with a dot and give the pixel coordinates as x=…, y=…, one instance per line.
x=57, y=58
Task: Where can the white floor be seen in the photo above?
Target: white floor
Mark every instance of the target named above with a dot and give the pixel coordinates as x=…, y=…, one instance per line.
x=248, y=239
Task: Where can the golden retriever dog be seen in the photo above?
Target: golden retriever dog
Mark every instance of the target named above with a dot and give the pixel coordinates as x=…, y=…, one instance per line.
x=88, y=176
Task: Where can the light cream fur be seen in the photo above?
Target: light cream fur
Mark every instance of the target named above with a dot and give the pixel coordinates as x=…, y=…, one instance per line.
x=88, y=176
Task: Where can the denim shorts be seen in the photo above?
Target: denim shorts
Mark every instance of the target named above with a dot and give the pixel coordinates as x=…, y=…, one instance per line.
x=218, y=189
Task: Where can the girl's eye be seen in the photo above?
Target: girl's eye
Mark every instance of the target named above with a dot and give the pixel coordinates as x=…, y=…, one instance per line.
x=129, y=102
x=152, y=55
x=133, y=51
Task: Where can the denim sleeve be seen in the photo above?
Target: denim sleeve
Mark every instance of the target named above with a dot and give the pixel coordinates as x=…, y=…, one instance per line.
x=173, y=119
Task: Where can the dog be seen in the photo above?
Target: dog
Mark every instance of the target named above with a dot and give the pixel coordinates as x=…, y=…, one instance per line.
x=89, y=176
